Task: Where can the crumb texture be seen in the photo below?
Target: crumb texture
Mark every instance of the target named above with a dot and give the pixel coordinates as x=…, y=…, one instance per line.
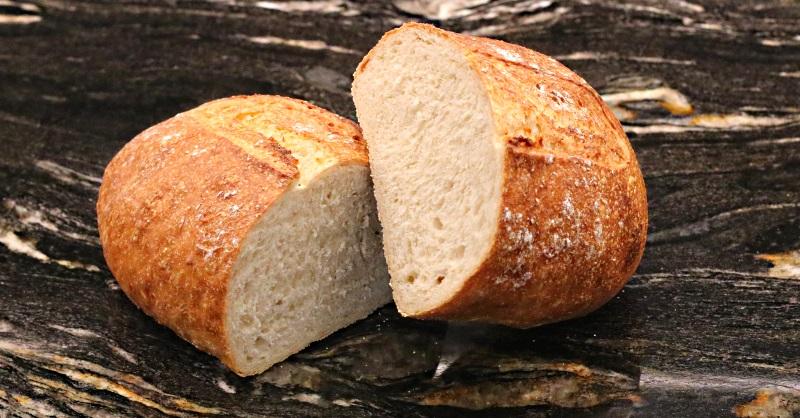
x=202, y=212
x=503, y=152
x=435, y=165
x=311, y=266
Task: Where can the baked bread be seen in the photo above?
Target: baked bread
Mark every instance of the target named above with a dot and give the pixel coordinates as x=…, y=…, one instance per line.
x=247, y=225
x=507, y=190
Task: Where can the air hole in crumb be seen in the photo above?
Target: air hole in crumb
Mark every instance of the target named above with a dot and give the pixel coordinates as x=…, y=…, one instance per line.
x=279, y=302
x=248, y=287
x=411, y=277
x=437, y=223
x=459, y=251
x=439, y=279
x=247, y=320
x=261, y=343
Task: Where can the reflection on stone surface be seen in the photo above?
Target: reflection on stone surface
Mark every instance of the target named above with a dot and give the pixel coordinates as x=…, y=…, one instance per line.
x=784, y=265
x=84, y=377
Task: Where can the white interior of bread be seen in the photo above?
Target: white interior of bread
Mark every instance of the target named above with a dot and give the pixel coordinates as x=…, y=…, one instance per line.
x=310, y=266
x=435, y=164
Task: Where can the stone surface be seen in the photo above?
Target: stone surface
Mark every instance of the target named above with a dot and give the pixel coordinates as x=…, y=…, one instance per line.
x=710, y=325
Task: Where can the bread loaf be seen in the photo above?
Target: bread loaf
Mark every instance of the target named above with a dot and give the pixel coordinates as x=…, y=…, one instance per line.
x=507, y=190
x=247, y=225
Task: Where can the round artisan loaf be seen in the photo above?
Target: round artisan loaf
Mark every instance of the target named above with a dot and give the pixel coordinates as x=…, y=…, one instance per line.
x=507, y=190
x=247, y=225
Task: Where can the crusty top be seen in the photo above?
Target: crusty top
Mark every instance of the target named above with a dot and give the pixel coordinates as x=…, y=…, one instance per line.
x=546, y=107
x=177, y=200
x=572, y=222
x=315, y=137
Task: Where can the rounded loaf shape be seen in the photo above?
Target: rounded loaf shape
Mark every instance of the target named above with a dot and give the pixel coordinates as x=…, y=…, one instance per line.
x=507, y=190
x=247, y=225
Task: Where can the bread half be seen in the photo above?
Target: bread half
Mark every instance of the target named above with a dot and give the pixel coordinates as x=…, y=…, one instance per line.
x=247, y=225
x=506, y=188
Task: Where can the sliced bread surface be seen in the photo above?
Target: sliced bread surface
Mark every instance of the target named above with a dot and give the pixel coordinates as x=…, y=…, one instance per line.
x=247, y=225
x=507, y=190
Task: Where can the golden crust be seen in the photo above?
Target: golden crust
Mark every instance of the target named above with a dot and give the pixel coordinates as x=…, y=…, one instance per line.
x=177, y=201
x=570, y=236
x=334, y=135
x=573, y=218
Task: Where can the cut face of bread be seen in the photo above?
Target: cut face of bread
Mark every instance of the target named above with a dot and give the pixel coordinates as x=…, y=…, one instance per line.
x=307, y=268
x=436, y=167
x=507, y=190
x=247, y=225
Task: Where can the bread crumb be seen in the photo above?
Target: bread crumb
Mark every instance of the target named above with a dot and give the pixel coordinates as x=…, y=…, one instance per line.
x=567, y=208
x=527, y=236
x=508, y=55
x=208, y=252
x=598, y=230
x=227, y=194
x=198, y=151
x=562, y=99
x=300, y=128
x=523, y=280
x=169, y=137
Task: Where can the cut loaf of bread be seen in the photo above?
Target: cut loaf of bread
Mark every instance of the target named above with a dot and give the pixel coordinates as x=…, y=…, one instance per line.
x=506, y=188
x=247, y=225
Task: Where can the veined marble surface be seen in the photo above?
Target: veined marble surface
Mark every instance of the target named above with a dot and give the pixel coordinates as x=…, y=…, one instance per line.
x=708, y=91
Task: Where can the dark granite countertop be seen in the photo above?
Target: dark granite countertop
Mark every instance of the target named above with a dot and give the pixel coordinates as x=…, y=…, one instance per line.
x=709, y=93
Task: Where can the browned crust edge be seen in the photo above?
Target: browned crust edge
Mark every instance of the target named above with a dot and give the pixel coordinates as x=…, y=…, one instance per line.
x=570, y=236
x=572, y=225
x=178, y=200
